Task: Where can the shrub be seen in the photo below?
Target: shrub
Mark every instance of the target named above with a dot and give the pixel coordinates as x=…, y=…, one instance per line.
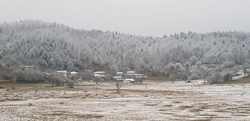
x=56, y=79
x=229, y=63
x=214, y=78
x=185, y=77
x=28, y=76
x=173, y=77
x=7, y=76
x=97, y=80
x=193, y=77
x=227, y=77
x=71, y=84
x=86, y=74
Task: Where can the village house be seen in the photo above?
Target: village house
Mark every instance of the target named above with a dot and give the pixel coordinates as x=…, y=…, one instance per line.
x=64, y=73
x=68, y=74
x=100, y=74
x=73, y=73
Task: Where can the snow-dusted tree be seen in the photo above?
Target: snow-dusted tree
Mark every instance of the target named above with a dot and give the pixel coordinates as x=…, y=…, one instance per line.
x=186, y=73
x=113, y=70
x=229, y=63
x=193, y=60
x=179, y=70
x=71, y=84
x=61, y=47
x=56, y=79
x=245, y=68
x=214, y=78
x=193, y=76
x=28, y=76
x=86, y=74
x=97, y=80
x=227, y=77
x=239, y=56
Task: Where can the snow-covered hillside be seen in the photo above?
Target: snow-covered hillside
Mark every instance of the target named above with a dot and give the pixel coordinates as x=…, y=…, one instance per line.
x=54, y=45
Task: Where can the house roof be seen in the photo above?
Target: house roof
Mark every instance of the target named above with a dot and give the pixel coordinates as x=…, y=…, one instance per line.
x=119, y=72
x=130, y=72
x=62, y=71
x=99, y=72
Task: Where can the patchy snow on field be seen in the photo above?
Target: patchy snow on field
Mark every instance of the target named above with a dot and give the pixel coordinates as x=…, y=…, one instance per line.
x=240, y=75
x=150, y=101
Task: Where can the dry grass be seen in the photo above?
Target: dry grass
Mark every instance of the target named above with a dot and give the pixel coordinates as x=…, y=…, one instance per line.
x=167, y=105
x=159, y=79
x=67, y=113
x=244, y=80
x=151, y=104
x=185, y=106
x=195, y=110
x=176, y=101
x=220, y=110
x=43, y=87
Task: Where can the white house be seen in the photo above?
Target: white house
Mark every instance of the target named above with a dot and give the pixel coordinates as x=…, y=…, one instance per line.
x=73, y=73
x=118, y=78
x=119, y=73
x=99, y=74
x=64, y=73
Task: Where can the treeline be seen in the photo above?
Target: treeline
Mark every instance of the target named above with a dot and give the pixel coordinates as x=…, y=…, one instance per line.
x=37, y=76
x=34, y=42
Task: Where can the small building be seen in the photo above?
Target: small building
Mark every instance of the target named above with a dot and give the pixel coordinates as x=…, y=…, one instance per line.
x=134, y=77
x=119, y=73
x=73, y=73
x=139, y=75
x=129, y=80
x=64, y=73
x=118, y=78
x=99, y=74
x=130, y=72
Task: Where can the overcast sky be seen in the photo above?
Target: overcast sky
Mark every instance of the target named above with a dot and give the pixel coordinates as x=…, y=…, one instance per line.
x=137, y=17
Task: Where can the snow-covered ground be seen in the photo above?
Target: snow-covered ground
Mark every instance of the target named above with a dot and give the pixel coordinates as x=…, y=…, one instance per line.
x=156, y=101
x=240, y=75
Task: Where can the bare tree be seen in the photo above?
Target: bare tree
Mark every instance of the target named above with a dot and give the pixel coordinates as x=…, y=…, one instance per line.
x=57, y=79
x=173, y=77
x=71, y=84
x=113, y=69
x=13, y=81
x=245, y=67
x=118, y=84
x=97, y=80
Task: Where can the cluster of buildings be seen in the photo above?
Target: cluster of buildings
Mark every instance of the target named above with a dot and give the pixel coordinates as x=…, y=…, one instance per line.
x=129, y=76
x=68, y=74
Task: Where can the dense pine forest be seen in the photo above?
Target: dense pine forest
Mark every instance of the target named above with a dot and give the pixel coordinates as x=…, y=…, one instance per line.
x=57, y=46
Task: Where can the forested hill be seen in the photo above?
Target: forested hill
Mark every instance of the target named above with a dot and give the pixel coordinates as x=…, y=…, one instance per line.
x=34, y=42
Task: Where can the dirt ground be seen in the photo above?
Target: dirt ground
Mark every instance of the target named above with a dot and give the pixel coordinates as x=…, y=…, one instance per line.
x=151, y=101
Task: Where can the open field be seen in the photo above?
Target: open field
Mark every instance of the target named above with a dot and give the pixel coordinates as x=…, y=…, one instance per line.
x=154, y=100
